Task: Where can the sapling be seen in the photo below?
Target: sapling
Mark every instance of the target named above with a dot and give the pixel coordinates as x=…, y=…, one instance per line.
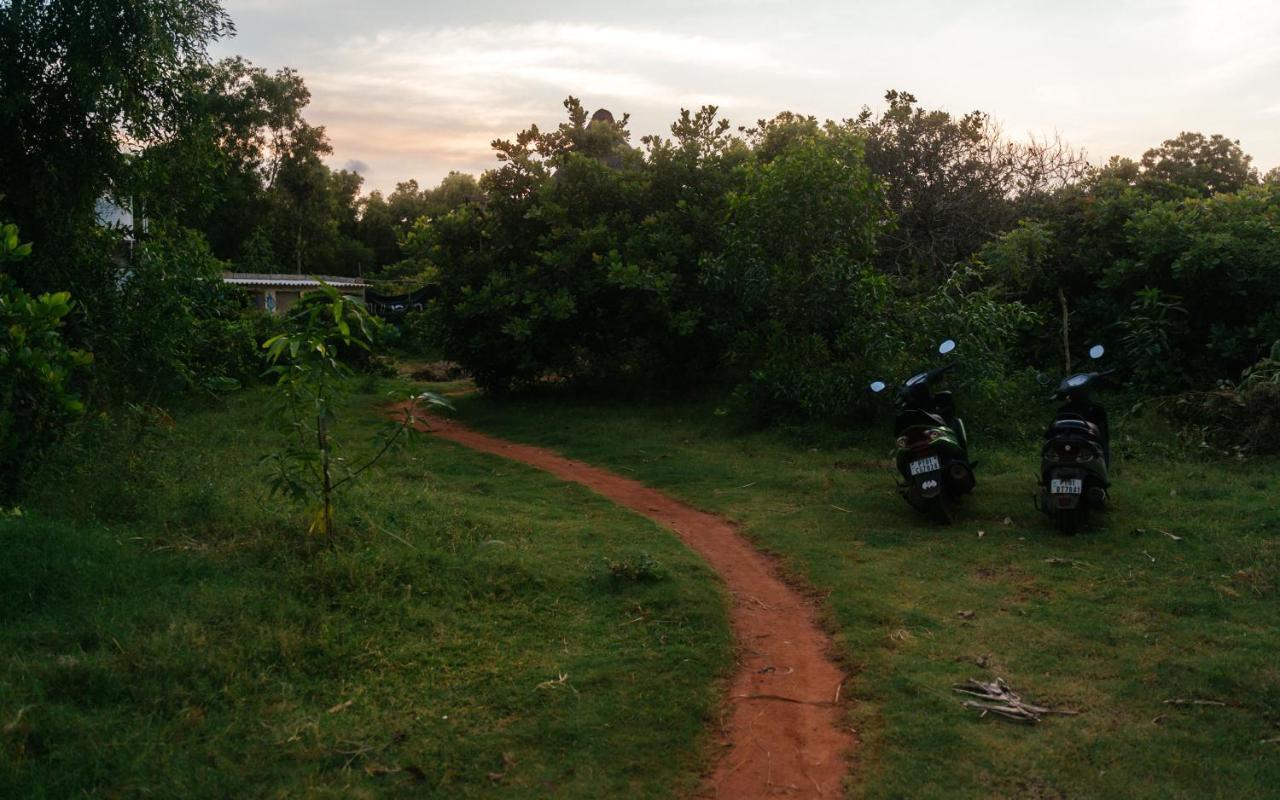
x=310, y=379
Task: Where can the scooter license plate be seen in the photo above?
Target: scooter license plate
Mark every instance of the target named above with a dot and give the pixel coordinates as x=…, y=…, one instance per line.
x=923, y=465
x=1066, y=486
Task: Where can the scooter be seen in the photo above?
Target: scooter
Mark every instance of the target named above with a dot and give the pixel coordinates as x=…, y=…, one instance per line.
x=1075, y=461
x=932, y=453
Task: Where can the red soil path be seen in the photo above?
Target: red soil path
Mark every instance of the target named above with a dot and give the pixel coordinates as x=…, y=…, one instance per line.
x=782, y=732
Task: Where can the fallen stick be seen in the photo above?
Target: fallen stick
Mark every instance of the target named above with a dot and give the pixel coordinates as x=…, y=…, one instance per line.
x=1180, y=702
x=1003, y=701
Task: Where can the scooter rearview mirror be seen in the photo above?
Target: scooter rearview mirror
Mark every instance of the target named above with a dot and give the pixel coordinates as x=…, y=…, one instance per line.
x=1096, y=351
x=947, y=346
x=1043, y=378
x=877, y=386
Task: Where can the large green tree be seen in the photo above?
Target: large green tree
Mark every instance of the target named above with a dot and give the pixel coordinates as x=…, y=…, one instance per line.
x=952, y=182
x=584, y=260
x=83, y=83
x=238, y=128
x=1192, y=164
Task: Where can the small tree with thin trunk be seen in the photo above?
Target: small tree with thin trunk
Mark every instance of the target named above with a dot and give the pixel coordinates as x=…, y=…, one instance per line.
x=310, y=378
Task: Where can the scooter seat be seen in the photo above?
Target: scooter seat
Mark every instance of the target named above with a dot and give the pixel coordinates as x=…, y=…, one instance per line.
x=917, y=417
x=1075, y=426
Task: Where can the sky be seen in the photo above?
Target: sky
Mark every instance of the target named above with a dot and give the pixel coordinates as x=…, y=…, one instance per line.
x=417, y=89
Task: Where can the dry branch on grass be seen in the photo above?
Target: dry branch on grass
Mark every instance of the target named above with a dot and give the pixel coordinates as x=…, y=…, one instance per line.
x=1181, y=702
x=997, y=698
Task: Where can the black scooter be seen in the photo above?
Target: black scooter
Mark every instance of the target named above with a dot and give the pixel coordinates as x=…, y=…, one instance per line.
x=1075, y=461
x=932, y=453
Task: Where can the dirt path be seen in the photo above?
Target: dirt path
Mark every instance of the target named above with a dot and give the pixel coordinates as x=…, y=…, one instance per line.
x=782, y=730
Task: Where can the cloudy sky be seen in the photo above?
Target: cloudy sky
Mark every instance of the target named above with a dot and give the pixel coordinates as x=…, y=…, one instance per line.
x=415, y=89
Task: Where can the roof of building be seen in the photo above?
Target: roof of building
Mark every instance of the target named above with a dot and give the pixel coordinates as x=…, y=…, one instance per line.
x=287, y=280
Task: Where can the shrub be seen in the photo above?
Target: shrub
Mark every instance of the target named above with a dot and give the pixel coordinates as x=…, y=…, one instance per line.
x=161, y=322
x=1240, y=419
x=37, y=369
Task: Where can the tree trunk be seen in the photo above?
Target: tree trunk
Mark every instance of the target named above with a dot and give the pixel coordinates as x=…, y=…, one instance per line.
x=322, y=438
x=1066, y=334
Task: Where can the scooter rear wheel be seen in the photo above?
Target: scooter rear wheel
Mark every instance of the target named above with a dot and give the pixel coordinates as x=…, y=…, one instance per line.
x=938, y=510
x=1070, y=521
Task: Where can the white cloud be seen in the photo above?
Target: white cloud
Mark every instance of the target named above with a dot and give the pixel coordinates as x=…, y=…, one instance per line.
x=444, y=93
x=416, y=89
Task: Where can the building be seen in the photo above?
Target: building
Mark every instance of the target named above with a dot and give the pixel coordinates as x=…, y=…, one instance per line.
x=277, y=293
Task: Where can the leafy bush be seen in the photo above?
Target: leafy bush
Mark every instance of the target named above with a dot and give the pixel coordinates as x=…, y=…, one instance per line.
x=162, y=323
x=1221, y=256
x=1262, y=413
x=360, y=353
x=1242, y=418
x=37, y=369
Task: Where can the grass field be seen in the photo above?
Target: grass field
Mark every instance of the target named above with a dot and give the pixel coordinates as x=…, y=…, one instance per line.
x=165, y=631
x=1112, y=623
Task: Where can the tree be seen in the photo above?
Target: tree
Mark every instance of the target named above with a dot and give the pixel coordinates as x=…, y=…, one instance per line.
x=455, y=190
x=584, y=259
x=952, y=183
x=377, y=230
x=798, y=290
x=238, y=127
x=1218, y=258
x=387, y=225
x=82, y=82
x=1195, y=165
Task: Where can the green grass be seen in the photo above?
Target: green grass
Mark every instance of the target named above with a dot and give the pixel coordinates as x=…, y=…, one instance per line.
x=1112, y=622
x=166, y=631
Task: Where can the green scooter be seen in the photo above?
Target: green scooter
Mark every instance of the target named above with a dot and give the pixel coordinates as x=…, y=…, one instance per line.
x=932, y=453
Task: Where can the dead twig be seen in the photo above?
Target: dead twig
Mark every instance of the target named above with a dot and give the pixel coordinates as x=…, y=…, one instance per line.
x=1180, y=702
x=13, y=726
x=735, y=488
x=997, y=698
x=561, y=679
x=781, y=698
x=1059, y=562
x=1170, y=535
